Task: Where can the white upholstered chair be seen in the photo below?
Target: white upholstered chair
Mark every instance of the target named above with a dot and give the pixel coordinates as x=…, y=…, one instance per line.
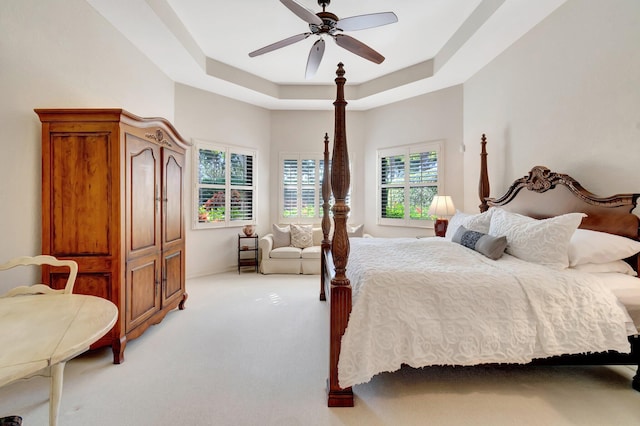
x=41, y=288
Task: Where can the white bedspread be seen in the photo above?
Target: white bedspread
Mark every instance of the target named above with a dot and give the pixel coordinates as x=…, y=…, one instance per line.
x=432, y=302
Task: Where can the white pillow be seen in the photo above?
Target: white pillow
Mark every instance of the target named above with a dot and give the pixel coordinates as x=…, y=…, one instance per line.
x=281, y=236
x=544, y=241
x=599, y=247
x=355, y=231
x=619, y=266
x=473, y=222
x=318, y=236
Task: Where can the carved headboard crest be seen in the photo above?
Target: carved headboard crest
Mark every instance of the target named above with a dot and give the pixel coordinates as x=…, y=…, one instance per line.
x=541, y=179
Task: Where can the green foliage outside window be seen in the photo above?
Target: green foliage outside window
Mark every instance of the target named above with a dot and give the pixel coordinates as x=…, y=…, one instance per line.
x=224, y=174
x=413, y=175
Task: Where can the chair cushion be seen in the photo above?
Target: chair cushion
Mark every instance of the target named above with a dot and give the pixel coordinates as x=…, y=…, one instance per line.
x=311, y=252
x=285, y=253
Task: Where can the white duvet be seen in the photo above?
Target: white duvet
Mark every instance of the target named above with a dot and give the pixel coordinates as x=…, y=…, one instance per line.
x=429, y=301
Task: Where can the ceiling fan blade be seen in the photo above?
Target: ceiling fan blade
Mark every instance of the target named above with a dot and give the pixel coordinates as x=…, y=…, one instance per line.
x=315, y=56
x=279, y=44
x=361, y=22
x=302, y=12
x=358, y=47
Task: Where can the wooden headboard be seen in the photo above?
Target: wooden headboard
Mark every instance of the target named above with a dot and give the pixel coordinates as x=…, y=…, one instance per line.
x=544, y=193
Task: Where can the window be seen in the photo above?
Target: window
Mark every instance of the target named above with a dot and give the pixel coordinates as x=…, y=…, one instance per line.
x=225, y=186
x=301, y=187
x=408, y=180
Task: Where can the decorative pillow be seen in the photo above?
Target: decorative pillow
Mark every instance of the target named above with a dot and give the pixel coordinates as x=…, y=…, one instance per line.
x=355, y=231
x=475, y=222
x=544, y=241
x=588, y=246
x=301, y=236
x=281, y=236
x=619, y=266
x=492, y=247
x=318, y=236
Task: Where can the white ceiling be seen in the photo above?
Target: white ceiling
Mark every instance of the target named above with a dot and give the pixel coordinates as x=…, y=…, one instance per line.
x=435, y=44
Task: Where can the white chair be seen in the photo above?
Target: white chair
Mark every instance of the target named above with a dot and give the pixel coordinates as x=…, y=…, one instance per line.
x=41, y=288
x=54, y=371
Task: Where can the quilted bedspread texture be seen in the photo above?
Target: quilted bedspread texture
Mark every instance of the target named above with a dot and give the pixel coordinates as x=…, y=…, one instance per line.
x=429, y=301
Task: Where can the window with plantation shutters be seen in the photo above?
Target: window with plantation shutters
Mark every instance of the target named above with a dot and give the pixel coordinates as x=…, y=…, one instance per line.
x=301, y=187
x=290, y=189
x=224, y=186
x=408, y=180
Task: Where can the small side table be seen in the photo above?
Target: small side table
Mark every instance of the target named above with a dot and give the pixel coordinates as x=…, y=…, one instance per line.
x=247, y=251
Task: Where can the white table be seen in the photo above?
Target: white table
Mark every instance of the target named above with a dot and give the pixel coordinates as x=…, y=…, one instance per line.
x=41, y=331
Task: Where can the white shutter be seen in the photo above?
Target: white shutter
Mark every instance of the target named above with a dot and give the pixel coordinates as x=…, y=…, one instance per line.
x=290, y=188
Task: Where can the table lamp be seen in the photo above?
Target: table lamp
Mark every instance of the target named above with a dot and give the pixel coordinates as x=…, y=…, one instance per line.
x=441, y=205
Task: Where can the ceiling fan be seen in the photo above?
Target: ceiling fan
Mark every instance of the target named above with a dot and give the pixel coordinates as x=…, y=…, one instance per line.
x=327, y=23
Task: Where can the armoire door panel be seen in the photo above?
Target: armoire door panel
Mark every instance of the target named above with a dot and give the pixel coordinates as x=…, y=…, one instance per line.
x=143, y=198
x=143, y=291
x=173, y=274
x=93, y=284
x=142, y=203
x=173, y=186
x=80, y=194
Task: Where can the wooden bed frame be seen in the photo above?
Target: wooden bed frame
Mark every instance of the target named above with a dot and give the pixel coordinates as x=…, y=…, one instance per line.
x=541, y=194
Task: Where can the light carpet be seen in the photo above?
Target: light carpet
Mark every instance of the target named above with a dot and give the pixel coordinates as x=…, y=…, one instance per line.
x=252, y=349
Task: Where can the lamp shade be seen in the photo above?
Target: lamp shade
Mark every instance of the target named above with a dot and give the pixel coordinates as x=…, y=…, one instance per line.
x=442, y=205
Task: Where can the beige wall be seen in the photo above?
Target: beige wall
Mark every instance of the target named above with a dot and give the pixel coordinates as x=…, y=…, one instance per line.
x=435, y=116
x=210, y=117
x=303, y=131
x=565, y=96
x=57, y=54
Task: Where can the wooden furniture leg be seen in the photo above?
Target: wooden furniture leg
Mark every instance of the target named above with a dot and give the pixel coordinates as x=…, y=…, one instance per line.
x=57, y=371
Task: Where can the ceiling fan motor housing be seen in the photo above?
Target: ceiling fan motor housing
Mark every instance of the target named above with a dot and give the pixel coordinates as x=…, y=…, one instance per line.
x=329, y=23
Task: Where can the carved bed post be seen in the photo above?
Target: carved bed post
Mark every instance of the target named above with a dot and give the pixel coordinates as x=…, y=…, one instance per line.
x=483, y=188
x=340, y=285
x=326, y=222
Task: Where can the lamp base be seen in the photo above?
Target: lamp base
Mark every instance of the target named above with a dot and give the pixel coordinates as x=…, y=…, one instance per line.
x=440, y=227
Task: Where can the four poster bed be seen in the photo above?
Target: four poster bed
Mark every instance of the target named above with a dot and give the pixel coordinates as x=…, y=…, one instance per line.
x=434, y=302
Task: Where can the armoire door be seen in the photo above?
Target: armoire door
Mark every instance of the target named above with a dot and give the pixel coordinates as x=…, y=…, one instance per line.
x=142, y=197
x=173, y=225
x=143, y=241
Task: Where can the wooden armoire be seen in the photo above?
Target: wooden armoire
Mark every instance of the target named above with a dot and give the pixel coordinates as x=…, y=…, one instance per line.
x=112, y=200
